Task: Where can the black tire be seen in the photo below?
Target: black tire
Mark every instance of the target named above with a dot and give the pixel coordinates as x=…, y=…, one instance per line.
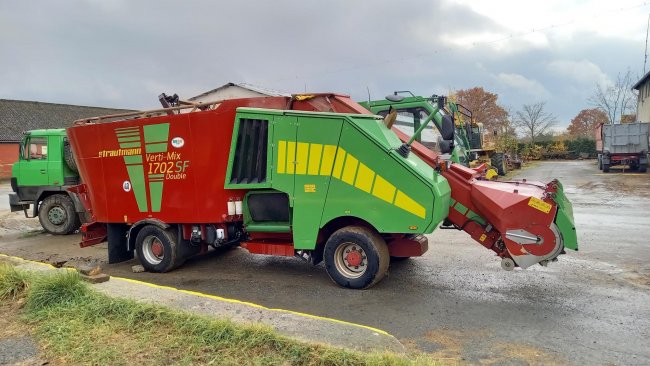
x=633, y=166
x=57, y=215
x=69, y=157
x=498, y=161
x=643, y=168
x=157, y=249
x=372, y=251
x=398, y=259
x=605, y=168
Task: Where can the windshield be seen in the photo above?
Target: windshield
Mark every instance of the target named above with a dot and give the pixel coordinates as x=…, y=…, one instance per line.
x=410, y=119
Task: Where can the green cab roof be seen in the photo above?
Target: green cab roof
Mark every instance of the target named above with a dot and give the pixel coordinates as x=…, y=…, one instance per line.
x=47, y=132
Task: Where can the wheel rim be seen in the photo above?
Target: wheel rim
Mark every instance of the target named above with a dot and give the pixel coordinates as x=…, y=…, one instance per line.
x=56, y=215
x=350, y=260
x=153, y=250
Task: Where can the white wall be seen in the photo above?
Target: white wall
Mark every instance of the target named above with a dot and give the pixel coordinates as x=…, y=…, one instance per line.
x=643, y=108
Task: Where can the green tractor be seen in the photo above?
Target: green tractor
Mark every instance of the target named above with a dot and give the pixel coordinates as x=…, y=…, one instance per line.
x=470, y=144
x=40, y=178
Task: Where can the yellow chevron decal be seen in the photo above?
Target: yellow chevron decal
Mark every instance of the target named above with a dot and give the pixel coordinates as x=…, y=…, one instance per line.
x=304, y=158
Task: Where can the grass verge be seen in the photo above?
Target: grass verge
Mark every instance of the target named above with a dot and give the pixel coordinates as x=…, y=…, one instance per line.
x=77, y=325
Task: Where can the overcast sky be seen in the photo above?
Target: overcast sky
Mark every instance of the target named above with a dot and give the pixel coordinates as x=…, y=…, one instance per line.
x=119, y=53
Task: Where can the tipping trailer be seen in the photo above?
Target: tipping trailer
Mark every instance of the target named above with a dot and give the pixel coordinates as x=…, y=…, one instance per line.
x=622, y=144
x=278, y=177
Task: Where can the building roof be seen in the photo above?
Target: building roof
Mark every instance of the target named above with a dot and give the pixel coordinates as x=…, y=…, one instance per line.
x=640, y=82
x=17, y=116
x=257, y=89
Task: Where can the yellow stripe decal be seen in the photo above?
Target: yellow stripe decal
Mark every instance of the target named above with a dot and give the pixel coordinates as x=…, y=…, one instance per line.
x=291, y=156
x=365, y=176
x=330, y=160
x=408, y=204
x=315, y=151
x=329, y=152
x=301, y=158
x=383, y=189
x=350, y=169
x=338, y=165
x=282, y=156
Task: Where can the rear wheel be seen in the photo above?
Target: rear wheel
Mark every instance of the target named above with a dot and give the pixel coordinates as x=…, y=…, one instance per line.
x=157, y=249
x=634, y=166
x=498, y=161
x=356, y=257
x=643, y=168
x=398, y=259
x=57, y=215
x=605, y=168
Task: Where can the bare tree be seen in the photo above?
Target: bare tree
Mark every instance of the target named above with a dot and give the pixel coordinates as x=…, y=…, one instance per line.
x=533, y=120
x=618, y=99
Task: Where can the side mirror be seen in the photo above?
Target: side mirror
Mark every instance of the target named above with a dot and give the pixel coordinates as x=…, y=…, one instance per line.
x=447, y=128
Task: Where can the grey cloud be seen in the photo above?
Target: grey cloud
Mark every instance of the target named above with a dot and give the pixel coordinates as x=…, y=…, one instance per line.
x=123, y=53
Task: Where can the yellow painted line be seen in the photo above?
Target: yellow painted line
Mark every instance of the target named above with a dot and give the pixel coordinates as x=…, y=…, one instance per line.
x=27, y=260
x=315, y=151
x=329, y=152
x=218, y=298
x=622, y=173
x=282, y=156
x=234, y=301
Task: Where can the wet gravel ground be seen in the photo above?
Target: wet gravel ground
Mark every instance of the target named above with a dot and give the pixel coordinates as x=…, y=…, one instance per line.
x=16, y=350
x=590, y=307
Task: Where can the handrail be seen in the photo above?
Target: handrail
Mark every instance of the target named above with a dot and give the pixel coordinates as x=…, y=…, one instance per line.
x=150, y=113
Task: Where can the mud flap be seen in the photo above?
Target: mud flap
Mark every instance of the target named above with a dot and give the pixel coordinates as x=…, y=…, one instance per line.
x=117, y=245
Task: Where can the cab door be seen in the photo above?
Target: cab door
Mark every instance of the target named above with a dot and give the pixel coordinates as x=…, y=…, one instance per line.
x=33, y=166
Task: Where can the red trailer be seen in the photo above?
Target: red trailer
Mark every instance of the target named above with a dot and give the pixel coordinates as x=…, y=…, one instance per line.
x=193, y=198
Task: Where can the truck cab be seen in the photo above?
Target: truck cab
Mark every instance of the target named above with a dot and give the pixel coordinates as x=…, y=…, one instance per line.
x=40, y=178
x=411, y=112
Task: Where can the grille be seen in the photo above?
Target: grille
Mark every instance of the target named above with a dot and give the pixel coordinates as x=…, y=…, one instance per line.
x=249, y=164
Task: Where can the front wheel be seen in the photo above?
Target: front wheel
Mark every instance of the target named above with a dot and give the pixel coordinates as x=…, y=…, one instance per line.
x=356, y=257
x=157, y=249
x=57, y=215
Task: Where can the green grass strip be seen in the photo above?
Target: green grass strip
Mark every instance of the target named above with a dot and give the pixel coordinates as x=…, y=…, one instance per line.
x=78, y=325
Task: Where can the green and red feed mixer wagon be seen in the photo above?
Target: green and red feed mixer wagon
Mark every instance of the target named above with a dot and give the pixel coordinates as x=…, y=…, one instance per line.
x=316, y=176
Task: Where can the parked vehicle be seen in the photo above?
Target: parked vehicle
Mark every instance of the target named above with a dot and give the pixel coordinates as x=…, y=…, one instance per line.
x=40, y=178
x=278, y=176
x=622, y=144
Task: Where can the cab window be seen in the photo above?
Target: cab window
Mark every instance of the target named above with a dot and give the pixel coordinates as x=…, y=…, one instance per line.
x=35, y=148
x=410, y=119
